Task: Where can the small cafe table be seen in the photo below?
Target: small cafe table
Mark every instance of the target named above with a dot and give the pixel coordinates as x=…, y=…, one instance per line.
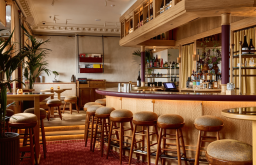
x=37, y=98
x=244, y=113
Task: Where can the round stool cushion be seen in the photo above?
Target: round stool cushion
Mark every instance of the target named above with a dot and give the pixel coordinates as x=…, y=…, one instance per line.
x=89, y=104
x=230, y=150
x=70, y=98
x=93, y=108
x=9, y=112
x=42, y=112
x=101, y=101
x=23, y=118
x=170, y=119
x=121, y=113
x=53, y=101
x=208, y=121
x=104, y=110
x=145, y=116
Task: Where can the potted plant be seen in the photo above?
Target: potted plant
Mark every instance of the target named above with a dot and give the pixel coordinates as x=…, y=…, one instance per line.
x=35, y=63
x=148, y=57
x=9, y=62
x=55, y=76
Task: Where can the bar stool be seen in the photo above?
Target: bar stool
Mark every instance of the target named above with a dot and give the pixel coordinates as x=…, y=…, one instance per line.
x=206, y=124
x=89, y=121
x=25, y=121
x=9, y=113
x=53, y=103
x=102, y=115
x=101, y=101
x=119, y=116
x=170, y=121
x=70, y=100
x=227, y=151
x=144, y=119
x=89, y=104
x=42, y=117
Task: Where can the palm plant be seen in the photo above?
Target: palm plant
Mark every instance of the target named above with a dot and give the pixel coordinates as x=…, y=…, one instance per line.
x=35, y=63
x=147, y=54
x=9, y=62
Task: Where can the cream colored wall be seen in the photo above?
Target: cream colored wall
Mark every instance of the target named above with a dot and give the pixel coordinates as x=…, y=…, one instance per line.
x=120, y=64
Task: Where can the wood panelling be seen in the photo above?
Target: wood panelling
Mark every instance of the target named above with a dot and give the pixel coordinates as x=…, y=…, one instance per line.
x=129, y=12
x=158, y=43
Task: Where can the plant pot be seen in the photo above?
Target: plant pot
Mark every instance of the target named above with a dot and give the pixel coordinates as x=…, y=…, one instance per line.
x=205, y=68
x=215, y=68
x=10, y=149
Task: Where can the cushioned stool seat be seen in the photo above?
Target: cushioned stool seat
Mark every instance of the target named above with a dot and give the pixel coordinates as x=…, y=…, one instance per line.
x=89, y=104
x=67, y=98
x=101, y=101
x=71, y=100
x=104, y=110
x=229, y=150
x=23, y=120
x=93, y=108
x=145, y=116
x=121, y=113
x=170, y=119
x=42, y=112
x=53, y=101
x=9, y=112
x=208, y=121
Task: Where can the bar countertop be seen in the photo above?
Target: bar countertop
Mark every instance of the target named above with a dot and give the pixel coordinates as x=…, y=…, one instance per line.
x=176, y=95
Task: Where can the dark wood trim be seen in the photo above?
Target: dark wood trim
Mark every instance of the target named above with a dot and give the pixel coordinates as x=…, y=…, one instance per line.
x=209, y=128
x=170, y=126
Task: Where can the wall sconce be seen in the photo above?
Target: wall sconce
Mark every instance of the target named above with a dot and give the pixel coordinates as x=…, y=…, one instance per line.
x=20, y=91
x=178, y=59
x=195, y=57
x=154, y=48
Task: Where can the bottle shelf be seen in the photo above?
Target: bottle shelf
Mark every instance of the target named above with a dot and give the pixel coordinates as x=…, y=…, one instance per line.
x=235, y=68
x=91, y=59
x=245, y=56
x=164, y=77
x=91, y=70
x=161, y=68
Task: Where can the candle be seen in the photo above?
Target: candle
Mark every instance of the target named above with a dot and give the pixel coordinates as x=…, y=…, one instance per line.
x=58, y=87
x=20, y=91
x=52, y=88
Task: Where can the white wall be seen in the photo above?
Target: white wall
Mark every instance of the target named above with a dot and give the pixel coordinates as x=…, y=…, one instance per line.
x=120, y=64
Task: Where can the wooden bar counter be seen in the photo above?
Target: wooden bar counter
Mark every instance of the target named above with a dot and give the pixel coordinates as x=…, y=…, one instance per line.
x=189, y=106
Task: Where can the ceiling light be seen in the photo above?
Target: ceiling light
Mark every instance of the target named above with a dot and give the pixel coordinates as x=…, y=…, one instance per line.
x=154, y=48
x=8, y=18
x=97, y=19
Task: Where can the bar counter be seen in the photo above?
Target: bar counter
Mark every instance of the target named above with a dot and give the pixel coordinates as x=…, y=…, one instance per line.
x=189, y=106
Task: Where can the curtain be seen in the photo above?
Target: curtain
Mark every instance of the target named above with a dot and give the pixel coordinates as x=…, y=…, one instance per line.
x=186, y=63
x=248, y=83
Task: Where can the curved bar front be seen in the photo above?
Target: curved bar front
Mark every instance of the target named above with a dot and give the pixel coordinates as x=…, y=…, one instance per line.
x=189, y=106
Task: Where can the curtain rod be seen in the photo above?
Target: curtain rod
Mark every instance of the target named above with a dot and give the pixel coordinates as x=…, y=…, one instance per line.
x=188, y=44
x=245, y=28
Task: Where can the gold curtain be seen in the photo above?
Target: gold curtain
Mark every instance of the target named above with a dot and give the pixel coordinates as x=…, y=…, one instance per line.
x=186, y=63
x=248, y=83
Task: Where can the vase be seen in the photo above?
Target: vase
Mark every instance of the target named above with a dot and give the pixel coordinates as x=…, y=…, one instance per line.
x=215, y=68
x=205, y=68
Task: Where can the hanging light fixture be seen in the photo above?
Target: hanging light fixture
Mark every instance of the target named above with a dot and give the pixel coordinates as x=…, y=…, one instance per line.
x=154, y=48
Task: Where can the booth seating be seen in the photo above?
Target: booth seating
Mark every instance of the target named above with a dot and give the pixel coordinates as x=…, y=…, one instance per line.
x=42, y=117
x=227, y=152
x=53, y=103
x=102, y=126
x=89, y=124
x=119, y=117
x=170, y=122
x=144, y=119
x=206, y=124
x=71, y=100
x=25, y=121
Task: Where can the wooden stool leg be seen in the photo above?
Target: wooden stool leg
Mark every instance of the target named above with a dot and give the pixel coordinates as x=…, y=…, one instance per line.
x=59, y=112
x=70, y=107
x=102, y=136
x=31, y=146
x=77, y=107
x=92, y=129
x=218, y=135
x=164, y=144
x=137, y=155
x=178, y=146
x=43, y=137
x=143, y=143
x=109, y=137
x=64, y=107
x=198, y=149
x=95, y=134
x=121, y=140
x=87, y=125
x=131, y=149
x=158, y=146
x=148, y=146
x=183, y=145
x=117, y=136
x=49, y=112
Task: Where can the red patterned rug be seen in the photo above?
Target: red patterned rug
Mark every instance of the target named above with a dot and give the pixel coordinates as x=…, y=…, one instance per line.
x=73, y=152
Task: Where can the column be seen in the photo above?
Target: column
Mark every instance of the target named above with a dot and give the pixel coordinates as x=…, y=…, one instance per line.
x=142, y=66
x=225, y=36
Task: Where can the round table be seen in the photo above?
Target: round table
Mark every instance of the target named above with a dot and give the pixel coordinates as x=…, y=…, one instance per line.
x=244, y=113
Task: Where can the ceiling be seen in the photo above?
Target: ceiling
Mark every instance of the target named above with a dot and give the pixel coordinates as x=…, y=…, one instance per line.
x=78, y=13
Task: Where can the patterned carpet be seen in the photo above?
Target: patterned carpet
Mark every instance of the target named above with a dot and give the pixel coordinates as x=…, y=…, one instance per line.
x=73, y=152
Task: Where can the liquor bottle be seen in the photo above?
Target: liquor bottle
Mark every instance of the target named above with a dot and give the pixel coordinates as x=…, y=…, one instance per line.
x=151, y=11
x=138, y=80
x=245, y=45
x=219, y=82
x=188, y=82
x=192, y=76
x=251, y=47
x=162, y=63
x=210, y=84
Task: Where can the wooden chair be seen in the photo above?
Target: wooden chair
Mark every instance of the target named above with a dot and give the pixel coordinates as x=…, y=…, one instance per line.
x=229, y=152
x=144, y=119
x=71, y=100
x=206, y=124
x=53, y=103
x=170, y=122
